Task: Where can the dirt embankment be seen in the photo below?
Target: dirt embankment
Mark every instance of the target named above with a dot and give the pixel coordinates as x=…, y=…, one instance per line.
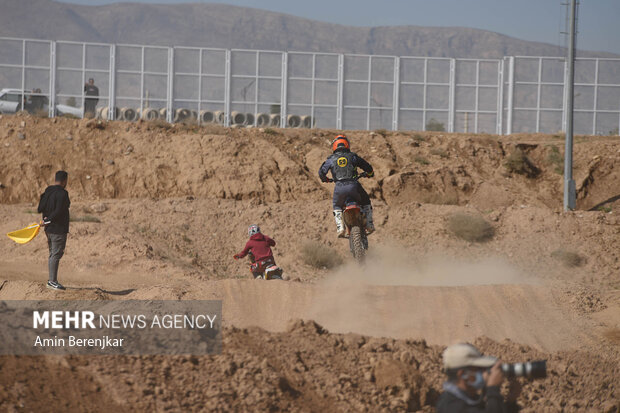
x=304, y=369
x=153, y=160
x=161, y=210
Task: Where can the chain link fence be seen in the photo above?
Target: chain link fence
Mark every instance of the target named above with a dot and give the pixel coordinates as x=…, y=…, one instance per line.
x=308, y=90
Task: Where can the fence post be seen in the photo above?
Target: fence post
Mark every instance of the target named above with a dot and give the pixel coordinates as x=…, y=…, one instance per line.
x=141, y=81
x=23, y=94
x=424, y=93
x=596, y=66
x=452, y=100
x=511, y=89
x=284, y=91
x=396, y=98
x=83, y=80
x=499, y=129
x=227, y=89
x=112, y=84
x=170, y=94
x=51, y=109
x=198, y=118
x=340, y=112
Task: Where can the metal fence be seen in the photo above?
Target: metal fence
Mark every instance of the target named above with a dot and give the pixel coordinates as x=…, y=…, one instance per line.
x=295, y=89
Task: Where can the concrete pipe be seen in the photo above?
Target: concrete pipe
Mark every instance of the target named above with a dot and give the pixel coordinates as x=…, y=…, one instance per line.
x=193, y=114
x=262, y=120
x=274, y=120
x=105, y=113
x=98, y=113
x=163, y=113
x=150, y=114
x=220, y=117
x=128, y=114
x=306, y=122
x=249, y=119
x=293, y=121
x=207, y=116
x=237, y=118
x=182, y=114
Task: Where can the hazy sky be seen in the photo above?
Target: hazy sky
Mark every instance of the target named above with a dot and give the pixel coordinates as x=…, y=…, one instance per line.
x=537, y=20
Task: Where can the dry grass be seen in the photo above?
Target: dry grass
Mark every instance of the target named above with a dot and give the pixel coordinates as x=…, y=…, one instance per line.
x=568, y=258
x=470, y=227
x=519, y=163
x=318, y=255
x=213, y=129
x=439, y=198
x=85, y=218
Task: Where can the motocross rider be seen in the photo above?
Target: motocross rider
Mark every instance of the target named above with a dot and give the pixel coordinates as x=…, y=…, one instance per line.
x=343, y=165
x=259, y=245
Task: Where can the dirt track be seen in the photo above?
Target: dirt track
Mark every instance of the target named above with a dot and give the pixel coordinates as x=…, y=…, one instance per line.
x=176, y=206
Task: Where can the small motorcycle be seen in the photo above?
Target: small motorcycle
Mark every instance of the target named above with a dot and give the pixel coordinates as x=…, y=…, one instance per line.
x=265, y=269
x=355, y=226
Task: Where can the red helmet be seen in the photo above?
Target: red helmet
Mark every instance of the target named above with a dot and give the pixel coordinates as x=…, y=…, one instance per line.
x=341, y=142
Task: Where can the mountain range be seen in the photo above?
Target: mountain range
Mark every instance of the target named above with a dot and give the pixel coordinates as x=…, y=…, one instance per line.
x=225, y=26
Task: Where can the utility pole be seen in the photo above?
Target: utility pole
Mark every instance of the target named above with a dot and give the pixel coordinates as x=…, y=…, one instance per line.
x=569, y=182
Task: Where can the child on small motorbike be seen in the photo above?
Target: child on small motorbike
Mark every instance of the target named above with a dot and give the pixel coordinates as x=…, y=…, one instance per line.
x=258, y=247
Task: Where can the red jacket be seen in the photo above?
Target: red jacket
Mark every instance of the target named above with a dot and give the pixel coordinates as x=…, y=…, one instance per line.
x=260, y=245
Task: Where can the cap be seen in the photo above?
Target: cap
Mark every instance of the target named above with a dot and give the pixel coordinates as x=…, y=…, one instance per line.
x=462, y=355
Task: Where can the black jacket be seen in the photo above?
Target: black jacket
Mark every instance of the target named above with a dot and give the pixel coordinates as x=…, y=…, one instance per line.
x=54, y=205
x=493, y=402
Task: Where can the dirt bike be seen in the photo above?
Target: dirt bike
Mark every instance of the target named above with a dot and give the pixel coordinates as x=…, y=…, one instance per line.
x=265, y=269
x=355, y=227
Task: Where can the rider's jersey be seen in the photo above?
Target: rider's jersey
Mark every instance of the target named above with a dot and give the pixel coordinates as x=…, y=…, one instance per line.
x=343, y=165
x=260, y=246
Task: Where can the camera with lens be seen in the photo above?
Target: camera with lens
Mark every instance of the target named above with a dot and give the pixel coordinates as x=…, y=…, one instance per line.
x=530, y=370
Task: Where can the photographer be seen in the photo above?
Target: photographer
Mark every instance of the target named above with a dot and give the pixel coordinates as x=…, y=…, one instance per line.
x=474, y=383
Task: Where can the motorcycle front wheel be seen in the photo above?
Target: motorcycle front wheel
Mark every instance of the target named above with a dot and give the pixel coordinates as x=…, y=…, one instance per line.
x=356, y=240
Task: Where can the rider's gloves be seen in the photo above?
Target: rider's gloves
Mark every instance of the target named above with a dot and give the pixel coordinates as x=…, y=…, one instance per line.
x=236, y=256
x=370, y=174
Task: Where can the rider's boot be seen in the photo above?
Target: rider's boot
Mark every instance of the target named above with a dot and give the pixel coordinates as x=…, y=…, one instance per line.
x=339, y=222
x=370, y=226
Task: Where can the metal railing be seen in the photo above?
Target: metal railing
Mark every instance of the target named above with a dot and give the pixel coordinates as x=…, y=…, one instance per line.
x=299, y=89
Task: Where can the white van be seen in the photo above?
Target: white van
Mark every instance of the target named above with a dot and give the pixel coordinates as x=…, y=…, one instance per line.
x=10, y=102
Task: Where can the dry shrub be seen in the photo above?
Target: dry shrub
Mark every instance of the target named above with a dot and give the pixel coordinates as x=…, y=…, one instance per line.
x=470, y=227
x=568, y=258
x=519, y=163
x=613, y=335
x=270, y=131
x=213, y=129
x=318, y=255
x=555, y=158
x=421, y=160
x=158, y=124
x=442, y=153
